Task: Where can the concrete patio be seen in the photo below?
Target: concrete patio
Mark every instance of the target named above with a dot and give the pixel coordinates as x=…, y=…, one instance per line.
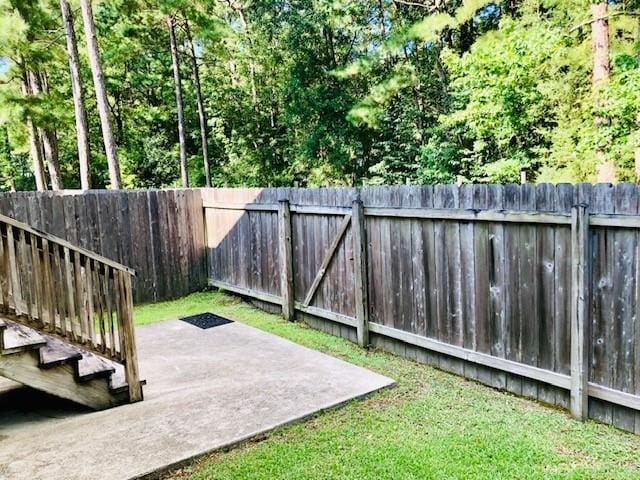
x=207, y=389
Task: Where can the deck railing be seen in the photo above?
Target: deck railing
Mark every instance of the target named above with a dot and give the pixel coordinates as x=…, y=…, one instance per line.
x=58, y=288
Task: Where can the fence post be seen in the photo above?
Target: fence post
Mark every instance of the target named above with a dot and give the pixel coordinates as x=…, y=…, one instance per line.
x=579, y=311
x=132, y=373
x=286, y=259
x=360, y=270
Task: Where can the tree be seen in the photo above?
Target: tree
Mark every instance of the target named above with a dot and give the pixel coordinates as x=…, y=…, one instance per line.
x=35, y=142
x=47, y=134
x=202, y=114
x=184, y=171
x=77, y=89
x=317, y=92
x=606, y=169
x=101, y=94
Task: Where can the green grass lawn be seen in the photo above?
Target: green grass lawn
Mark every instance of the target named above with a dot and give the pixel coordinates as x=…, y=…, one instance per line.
x=432, y=425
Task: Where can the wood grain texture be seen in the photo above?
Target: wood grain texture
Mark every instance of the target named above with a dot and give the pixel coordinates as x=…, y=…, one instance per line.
x=480, y=267
x=159, y=234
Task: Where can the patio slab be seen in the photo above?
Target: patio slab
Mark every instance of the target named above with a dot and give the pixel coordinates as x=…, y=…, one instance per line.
x=206, y=390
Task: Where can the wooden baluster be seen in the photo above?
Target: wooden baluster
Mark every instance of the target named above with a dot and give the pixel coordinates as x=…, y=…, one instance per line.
x=79, y=297
x=109, y=310
x=4, y=274
x=6, y=280
x=37, y=279
x=99, y=304
x=71, y=304
x=91, y=320
x=117, y=329
x=56, y=279
x=119, y=285
x=13, y=267
x=63, y=297
x=47, y=282
x=24, y=271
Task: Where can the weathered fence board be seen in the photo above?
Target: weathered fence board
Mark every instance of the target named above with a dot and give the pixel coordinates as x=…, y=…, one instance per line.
x=158, y=233
x=480, y=276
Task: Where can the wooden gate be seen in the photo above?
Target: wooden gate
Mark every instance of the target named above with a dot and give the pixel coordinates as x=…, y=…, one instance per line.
x=350, y=222
x=312, y=249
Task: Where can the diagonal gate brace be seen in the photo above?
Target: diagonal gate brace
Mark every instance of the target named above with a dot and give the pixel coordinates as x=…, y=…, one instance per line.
x=327, y=260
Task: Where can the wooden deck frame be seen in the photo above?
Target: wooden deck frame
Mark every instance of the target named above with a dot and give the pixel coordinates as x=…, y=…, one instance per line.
x=53, y=287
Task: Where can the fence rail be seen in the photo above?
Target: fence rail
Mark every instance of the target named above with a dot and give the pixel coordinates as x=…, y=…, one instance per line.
x=534, y=289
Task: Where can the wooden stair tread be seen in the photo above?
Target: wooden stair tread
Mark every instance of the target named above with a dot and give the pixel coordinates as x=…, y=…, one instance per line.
x=17, y=338
x=92, y=366
x=53, y=352
x=56, y=352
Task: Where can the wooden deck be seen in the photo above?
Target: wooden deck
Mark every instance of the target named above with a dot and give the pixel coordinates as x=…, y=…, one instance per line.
x=66, y=319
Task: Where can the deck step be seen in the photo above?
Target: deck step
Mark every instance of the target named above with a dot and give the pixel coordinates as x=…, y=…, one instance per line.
x=56, y=352
x=91, y=366
x=18, y=338
x=119, y=385
x=47, y=362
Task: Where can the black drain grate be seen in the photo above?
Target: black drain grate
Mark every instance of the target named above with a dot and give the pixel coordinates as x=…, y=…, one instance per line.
x=206, y=320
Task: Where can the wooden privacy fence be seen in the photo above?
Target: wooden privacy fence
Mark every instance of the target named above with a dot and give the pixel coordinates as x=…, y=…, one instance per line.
x=534, y=289
x=158, y=233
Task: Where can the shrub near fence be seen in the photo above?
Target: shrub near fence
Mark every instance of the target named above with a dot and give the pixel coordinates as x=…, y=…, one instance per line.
x=515, y=286
x=158, y=233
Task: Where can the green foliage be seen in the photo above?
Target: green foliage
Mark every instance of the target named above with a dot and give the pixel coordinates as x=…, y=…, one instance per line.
x=500, y=115
x=332, y=92
x=13, y=165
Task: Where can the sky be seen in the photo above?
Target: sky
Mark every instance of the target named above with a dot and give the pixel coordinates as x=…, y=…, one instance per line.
x=4, y=65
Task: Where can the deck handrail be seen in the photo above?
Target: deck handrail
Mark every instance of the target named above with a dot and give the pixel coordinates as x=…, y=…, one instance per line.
x=67, y=291
x=64, y=243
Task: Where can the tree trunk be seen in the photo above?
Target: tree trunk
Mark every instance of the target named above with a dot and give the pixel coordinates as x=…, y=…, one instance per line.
x=178, y=84
x=202, y=114
x=82, y=125
x=35, y=146
x=252, y=65
x=50, y=144
x=331, y=52
x=606, y=169
x=637, y=151
x=101, y=94
x=47, y=135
